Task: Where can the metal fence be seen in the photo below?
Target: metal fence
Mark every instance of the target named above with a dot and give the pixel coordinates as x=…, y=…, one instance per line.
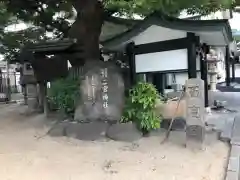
x=13, y=84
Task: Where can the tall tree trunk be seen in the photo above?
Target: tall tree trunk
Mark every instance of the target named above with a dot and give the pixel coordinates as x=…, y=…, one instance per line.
x=87, y=29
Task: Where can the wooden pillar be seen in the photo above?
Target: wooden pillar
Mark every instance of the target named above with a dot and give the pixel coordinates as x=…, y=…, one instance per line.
x=227, y=66
x=192, y=64
x=204, y=75
x=233, y=69
x=132, y=65
x=24, y=87
x=43, y=98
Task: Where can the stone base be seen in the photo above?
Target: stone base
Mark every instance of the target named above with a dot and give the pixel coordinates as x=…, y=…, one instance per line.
x=32, y=104
x=195, y=137
x=59, y=129
x=87, y=131
x=124, y=132
x=179, y=124
x=82, y=131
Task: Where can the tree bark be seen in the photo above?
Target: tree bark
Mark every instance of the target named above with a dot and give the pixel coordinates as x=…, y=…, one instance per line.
x=87, y=29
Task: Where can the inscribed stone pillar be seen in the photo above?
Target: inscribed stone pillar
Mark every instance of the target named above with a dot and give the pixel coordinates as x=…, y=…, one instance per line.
x=195, y=115
x=102, y=93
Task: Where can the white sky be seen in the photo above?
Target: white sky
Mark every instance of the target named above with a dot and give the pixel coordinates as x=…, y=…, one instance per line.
x=234, y=22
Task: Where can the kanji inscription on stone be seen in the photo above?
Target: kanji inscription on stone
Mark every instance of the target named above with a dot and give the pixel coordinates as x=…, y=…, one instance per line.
x=195, y=113
x=193, y=91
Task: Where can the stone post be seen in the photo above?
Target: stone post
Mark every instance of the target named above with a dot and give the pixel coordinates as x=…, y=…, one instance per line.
x=195, y=113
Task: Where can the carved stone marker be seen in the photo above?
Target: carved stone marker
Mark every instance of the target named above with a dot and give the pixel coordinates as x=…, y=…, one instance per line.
x=102, y=93
x=195, y=113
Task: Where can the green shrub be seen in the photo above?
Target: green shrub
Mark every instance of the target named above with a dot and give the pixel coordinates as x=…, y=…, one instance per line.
x=63, y=94
x=140, y=107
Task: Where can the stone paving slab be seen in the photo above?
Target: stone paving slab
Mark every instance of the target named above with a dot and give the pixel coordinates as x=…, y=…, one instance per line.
x=232, y=175
x=236, y=131
x=233, y=170
x=233, y=164
x=235, y=151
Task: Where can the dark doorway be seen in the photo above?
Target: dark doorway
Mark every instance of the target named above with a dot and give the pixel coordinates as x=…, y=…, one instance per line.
x=159, y=80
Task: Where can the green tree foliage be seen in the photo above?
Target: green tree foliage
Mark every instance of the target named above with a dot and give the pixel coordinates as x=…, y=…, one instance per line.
x=54, y=15
x=43, y=12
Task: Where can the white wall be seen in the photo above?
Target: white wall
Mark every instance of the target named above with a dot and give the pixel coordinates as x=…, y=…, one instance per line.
x=162, y=61
x=157, y=33
x=237, y=71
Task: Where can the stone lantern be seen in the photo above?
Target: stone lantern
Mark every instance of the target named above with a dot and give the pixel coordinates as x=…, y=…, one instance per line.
x=212, y=61
x=29, y=81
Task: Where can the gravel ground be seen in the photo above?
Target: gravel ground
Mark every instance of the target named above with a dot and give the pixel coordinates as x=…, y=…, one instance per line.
x=23, y=156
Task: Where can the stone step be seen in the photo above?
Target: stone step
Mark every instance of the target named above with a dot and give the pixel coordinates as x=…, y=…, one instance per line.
x=235, y=140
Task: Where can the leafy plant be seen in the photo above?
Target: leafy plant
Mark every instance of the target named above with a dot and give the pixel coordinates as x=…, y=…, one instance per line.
x=63, y=94
x=140, y=107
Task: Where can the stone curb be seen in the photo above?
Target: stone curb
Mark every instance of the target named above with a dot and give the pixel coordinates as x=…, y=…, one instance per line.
x=10, y=102
x=232, y=135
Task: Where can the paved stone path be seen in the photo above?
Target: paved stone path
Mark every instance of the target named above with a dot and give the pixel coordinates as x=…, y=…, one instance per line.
x=229, y=125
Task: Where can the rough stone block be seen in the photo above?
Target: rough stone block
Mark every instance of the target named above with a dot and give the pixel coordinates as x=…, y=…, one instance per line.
x=102, y=93
x=87, y=131
x=59, y=129
x=124, y=132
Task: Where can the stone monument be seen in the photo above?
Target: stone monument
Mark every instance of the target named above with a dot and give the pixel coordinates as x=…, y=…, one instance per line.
x=195, y=113
x=102, y=94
